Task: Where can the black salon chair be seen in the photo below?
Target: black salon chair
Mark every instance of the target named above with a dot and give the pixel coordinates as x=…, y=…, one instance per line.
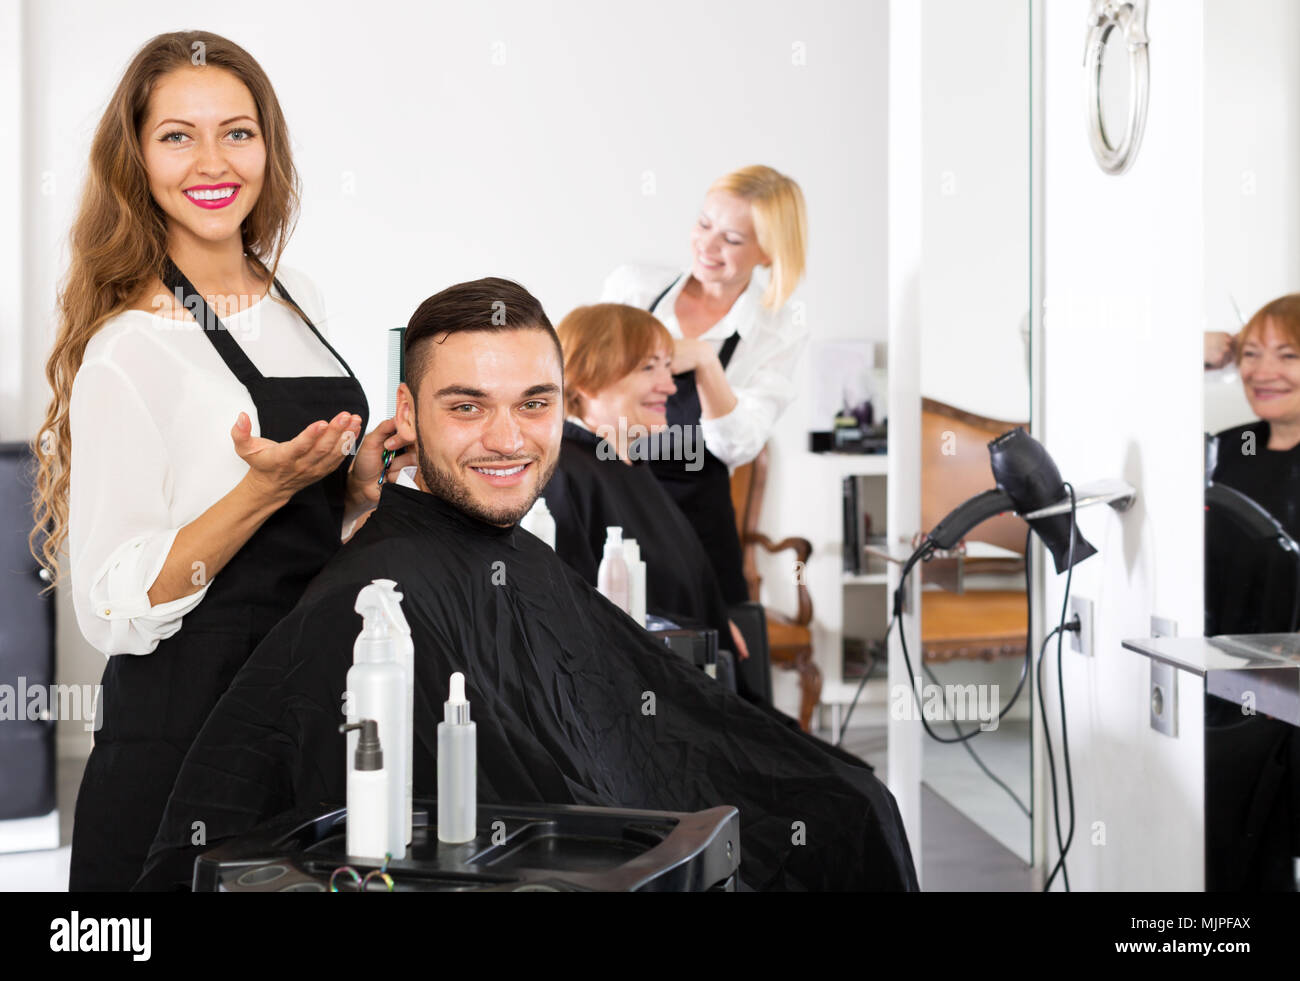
x=1252, y=567
x=27, y=747
x=754, y=674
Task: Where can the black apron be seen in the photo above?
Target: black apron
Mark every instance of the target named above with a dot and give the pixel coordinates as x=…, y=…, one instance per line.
x=152, y=706
x=704, y=494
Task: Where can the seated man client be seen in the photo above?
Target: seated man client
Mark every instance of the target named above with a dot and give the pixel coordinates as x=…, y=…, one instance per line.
x=556, y=674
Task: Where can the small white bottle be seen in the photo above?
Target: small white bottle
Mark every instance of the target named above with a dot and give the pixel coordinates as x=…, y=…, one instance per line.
x=457, y=768
x=636, y=580
x=612, y=576
x=368, y=794
x=540, y=522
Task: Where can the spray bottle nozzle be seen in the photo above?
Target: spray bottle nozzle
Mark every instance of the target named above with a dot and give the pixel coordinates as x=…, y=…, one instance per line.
x=369, y=754
x=380, y=607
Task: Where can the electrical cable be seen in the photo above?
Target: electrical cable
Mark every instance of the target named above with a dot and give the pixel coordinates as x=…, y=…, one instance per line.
x=1062, y=849
x=1047, y=739
x=923, y=553
x=1029, y=620
x=975, y=756
x=925, y=549
x=844, y=726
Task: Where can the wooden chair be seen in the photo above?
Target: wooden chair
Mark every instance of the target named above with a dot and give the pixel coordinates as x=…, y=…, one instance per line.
x=975, y=623
x=789, y=638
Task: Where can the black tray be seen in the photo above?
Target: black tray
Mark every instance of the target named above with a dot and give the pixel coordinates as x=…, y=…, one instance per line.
x=551, y=848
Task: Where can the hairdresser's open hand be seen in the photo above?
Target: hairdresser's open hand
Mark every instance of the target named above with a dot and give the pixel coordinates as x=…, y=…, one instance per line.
x=277, y=471
x=690, y=353
x=363, y=478
x=1220, y=348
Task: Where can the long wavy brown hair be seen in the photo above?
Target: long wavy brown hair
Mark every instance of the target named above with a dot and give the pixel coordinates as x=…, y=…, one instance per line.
x=118, y=242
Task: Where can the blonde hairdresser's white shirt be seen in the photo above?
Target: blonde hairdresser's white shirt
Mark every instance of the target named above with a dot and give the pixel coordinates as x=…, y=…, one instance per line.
x=761, y=370
x=151, y=411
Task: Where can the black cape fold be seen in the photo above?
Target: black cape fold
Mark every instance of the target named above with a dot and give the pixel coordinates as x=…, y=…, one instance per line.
x=559, y=681
x=1250, y=586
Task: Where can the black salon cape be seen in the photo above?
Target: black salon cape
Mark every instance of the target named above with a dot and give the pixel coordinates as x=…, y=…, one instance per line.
x=558, y=680
x=587, y=494
x=1250, y=587
x=1252, y=764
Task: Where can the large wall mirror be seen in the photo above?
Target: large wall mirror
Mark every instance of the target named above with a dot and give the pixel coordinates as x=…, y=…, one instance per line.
x=975, y=301
x=1252, y=413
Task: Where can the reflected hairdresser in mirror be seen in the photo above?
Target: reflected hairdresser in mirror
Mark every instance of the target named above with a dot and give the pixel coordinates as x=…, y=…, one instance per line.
x=1250, y=582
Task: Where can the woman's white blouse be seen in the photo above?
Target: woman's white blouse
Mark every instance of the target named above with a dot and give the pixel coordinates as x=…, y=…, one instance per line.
x=151, y=412
x=761, y=371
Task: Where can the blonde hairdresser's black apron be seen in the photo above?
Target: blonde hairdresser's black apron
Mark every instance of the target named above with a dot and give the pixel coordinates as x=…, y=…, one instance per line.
x=703, y=494
x=153, y=705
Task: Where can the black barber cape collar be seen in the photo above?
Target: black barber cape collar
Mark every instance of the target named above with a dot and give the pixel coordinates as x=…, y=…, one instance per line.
x=430, y=510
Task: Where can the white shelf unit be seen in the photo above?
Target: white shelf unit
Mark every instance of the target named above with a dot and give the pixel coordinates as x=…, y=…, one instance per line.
x=845, y=604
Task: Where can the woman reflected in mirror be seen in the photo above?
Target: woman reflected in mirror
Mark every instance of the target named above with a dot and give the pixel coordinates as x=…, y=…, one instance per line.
x=1251, y=585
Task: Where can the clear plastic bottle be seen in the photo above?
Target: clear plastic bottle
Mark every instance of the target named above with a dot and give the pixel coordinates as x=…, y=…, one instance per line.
x=404, y=651
x=612, y=576
x=636, y=580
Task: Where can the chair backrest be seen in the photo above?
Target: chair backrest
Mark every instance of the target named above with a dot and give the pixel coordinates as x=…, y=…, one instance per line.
x=955, y=466
x=747, y=485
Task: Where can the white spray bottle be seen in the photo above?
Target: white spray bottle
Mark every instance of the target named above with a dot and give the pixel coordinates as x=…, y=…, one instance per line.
x=377, y=689
x=405, y=649
x=612, y=576
x=457, y=768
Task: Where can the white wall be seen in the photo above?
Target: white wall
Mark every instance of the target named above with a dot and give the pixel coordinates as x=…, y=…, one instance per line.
x=444, y=141
x=975, y=280
x=1252, y=155
x=1124, y=260
x=12, y=226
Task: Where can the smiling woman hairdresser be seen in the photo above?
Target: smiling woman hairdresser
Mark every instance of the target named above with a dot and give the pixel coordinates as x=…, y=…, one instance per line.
x=189, y=538
x=737, y=342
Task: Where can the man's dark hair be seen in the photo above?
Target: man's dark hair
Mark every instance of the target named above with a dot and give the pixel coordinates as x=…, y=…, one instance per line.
x=491, y=304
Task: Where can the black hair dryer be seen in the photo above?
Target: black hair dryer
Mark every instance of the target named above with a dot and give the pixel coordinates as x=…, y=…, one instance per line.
x=1027, y=481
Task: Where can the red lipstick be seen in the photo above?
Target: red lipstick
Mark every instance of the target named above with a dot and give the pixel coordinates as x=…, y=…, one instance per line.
x=212, y=196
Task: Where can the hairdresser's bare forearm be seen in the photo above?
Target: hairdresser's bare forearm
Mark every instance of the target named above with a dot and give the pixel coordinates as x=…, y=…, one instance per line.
x=716, y=396
x=204, y=546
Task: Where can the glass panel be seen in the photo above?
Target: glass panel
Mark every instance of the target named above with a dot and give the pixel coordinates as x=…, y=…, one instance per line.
x=975, y=303
x=1252, y=422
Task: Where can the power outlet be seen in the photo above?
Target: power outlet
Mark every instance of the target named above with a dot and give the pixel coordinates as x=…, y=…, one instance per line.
x=1164, y=683
x=1081, y=641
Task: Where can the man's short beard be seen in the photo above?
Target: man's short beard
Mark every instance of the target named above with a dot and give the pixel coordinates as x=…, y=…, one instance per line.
x=456, y=493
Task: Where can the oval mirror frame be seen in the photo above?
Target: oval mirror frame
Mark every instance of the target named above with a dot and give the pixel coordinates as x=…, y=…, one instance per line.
x=1129, y=18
